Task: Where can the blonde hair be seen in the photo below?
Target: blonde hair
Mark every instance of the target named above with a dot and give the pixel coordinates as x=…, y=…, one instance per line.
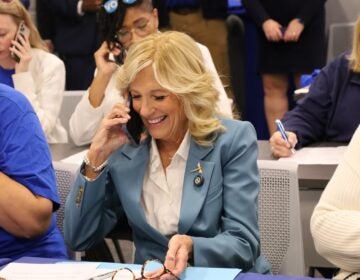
x=18, y=12
x=178, y=67
x=354, y=57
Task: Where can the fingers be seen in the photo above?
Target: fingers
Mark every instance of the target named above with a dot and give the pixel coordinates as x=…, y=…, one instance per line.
x=272, y=30
x=180, y=247
x=281, y=148
x=293, y=31
x=103, y=61
x=291, y=36
x=119, y=110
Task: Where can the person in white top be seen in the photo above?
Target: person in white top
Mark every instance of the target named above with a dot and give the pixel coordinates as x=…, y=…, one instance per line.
x=335, y=222
x=127, y=24
x=27, y=66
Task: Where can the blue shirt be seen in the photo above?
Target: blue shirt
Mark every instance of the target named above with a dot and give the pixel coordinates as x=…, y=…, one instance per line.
x=25, y=158
x=6, y=76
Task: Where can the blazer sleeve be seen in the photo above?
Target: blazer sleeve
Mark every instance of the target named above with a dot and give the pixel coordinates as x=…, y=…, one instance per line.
x=238, y=243
x=90, y=211
x=44, y=86
x=256, y=10
x=310, y=9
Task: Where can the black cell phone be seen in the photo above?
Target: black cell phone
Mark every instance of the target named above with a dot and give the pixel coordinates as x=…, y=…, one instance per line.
x=23, y=31
x=134, y=127
x=118, y=59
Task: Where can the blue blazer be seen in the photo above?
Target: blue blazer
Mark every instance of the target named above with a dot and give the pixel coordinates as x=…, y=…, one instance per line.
x=220, y=216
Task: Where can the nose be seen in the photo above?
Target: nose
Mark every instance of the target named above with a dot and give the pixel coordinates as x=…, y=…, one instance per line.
x=146, y=109
x=134, y=37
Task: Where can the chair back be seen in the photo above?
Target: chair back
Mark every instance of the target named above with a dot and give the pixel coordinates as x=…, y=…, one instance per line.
x=65, y=177
x=70, y=100
x=279, y=217
x=340, y=39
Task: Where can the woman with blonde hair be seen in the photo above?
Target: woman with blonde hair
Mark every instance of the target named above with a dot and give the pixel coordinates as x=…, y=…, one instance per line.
x=189, y=188
x=27, y=66
x=330, y=111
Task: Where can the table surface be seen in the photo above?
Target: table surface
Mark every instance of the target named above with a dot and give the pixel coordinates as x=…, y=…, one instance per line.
x=61, y=151
x=305, y=172
x=191, y=273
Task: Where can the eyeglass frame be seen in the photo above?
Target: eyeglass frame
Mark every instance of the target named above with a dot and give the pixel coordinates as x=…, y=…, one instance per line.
x=135, y=30
x=165, y=271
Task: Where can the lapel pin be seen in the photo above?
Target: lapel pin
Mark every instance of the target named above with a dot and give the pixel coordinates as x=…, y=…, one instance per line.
x=199, y=179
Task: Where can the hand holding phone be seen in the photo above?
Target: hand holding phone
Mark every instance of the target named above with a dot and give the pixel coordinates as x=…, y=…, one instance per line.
x=134, y=127
x=117, y=54
x=24, y=32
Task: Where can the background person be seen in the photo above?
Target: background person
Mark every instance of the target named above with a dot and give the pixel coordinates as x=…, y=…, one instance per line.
x=287, y=32
x=182, y=190
x=330, y=110
x=28, y=195
x=204, y=20
x=128, y=24
x=71, y=27
x=335, y=222
x=39, y=75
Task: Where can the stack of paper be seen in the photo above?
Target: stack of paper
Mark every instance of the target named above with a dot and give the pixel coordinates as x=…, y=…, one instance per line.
x=317, y=155
x=56, y=271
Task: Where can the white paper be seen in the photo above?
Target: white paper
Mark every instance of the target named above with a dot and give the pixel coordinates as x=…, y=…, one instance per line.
x=56, y=271
x=317, y=155
x=75, y=158
x=302, y=90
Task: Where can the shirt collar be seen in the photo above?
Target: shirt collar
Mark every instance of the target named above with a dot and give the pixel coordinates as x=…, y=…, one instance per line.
x=183, y=150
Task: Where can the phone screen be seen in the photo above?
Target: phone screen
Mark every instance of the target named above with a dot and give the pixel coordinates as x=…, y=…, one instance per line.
x=134, y=127
x=23, y=31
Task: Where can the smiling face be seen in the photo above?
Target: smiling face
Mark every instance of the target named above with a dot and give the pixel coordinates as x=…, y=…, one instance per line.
x=8, y=30
x=161, y=111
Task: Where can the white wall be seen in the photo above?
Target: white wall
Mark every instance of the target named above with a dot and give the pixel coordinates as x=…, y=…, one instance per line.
x=339, y=11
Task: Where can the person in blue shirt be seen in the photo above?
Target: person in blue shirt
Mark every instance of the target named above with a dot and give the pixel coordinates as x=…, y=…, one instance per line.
x=28, y=195
x=330, y=111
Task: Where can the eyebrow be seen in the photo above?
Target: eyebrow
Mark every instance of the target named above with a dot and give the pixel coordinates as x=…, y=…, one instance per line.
x=151, y=91
x=135, y=22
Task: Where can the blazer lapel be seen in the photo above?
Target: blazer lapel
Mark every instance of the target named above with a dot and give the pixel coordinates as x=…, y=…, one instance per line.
x=194, y=196
x=136, y=166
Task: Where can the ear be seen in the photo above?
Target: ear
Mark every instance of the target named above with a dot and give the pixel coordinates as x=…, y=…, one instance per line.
x=155, y=14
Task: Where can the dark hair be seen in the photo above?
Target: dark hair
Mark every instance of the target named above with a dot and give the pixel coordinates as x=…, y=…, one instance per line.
x=110, y=23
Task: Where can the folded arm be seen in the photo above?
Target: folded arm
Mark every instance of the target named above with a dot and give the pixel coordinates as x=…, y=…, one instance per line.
x=22, y=213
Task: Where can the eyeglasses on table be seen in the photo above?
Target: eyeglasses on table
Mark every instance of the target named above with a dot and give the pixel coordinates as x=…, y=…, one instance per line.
x=150, y=270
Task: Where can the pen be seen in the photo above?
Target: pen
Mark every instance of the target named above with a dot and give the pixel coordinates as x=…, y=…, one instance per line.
x=281, y=129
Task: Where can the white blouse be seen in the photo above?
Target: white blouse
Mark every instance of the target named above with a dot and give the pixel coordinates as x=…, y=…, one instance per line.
x=162, y=189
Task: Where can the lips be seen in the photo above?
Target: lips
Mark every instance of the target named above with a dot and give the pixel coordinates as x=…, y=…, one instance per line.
x=157, y=120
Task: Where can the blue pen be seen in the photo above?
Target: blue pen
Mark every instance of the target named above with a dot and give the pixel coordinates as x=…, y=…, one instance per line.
x=281, y=129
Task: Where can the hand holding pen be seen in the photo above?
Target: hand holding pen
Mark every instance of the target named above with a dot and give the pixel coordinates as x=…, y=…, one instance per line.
x=282, y=142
